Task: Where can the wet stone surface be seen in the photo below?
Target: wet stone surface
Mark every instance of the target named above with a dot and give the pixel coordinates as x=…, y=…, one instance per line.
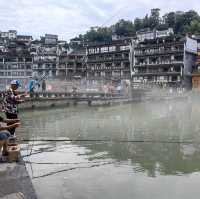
x=14, y=179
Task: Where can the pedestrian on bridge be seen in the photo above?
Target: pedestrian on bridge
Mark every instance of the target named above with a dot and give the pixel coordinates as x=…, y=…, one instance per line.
x=43, y=86
x=31, y=86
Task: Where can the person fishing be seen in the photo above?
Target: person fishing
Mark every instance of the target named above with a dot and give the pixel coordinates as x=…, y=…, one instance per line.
x=11, y=99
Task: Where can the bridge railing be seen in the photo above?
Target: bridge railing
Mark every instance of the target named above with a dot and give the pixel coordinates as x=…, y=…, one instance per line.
x=69, y=95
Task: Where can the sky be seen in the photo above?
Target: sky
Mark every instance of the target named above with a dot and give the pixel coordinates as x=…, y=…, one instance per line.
x=69, y=18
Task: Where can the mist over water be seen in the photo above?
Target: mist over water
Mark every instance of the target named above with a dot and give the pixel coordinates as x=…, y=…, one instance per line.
x=166, y=166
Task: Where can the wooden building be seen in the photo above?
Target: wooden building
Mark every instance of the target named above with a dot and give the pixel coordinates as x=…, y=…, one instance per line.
x=71, y=64
x=196, y=73
x=109, y=61
x=160, y=61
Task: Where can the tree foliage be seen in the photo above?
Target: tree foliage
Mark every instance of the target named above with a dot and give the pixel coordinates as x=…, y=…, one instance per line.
x=98, y=34
x=124, y=28
x=181, y=22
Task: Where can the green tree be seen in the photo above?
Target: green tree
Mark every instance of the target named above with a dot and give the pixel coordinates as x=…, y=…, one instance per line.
x=124, y=28
x=154, y=19
x=138, y=24
x=170, y=19
x=179, y=25
x=98, y=34
x=145, y=22
x=181, y=22
x=194, y=27
x=190, y=16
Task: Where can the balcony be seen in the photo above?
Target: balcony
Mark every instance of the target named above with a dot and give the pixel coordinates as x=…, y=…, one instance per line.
x=156, y=73
x=108, y=59
x=159, y=52
x=159, y=63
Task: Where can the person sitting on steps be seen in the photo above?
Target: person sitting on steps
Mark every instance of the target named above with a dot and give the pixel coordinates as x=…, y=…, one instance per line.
x=4, y=135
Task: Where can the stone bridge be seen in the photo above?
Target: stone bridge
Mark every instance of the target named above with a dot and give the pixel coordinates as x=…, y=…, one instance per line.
x=53, y=99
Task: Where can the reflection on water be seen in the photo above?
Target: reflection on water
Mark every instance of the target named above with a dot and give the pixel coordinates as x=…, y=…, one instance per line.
x=109, y=169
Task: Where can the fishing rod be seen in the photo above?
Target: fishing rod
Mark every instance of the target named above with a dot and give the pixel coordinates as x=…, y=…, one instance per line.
x=117, y=141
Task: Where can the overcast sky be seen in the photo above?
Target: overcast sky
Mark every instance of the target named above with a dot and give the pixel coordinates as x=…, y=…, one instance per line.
x=69, y=18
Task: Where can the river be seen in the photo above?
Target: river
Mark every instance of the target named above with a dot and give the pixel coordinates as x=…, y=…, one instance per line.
x=142, y=150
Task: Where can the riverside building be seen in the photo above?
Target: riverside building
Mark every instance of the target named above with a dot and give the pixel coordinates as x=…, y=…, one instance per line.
x=72, y=65
x=46, y=54
x=108, y=61
x=166, y=62
x=15, y=66
x=196, y=70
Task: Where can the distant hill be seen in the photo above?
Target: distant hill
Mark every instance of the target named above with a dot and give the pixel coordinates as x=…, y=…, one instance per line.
x=181, y=22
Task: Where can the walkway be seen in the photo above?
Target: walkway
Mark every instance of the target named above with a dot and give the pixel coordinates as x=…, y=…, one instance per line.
x=15, y=182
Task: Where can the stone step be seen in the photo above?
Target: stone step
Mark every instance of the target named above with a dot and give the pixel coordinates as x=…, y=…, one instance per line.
x=14, y=196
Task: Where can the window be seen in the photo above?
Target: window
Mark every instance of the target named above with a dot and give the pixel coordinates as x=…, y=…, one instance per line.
x=14, y=73
x=14, y=66
x=96, y=50
x=91, y=51
x=29, y=74
x=174, y=78
x=21, y=73
x=124, y=48
x=104, y=49
x=112, y=48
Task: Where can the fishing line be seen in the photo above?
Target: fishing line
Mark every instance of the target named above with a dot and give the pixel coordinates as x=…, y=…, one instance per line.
x=65, y=163
x=112, y=140
x=99, y=141
x=70, y=169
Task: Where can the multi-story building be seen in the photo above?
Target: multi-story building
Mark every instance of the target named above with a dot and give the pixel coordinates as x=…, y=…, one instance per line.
x=45, y=60
x=11, y=34
x=24, y=38
x=108, y=61
x=166, y=62
x=15, y=66
x=196, y=70
x=45, y=55
x=72, y=64
x=76, y=42
x=147, y=34
x=50, y=39
x=21, y=57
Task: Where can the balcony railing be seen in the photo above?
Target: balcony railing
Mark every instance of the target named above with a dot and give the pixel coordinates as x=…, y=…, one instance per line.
x=109, y=59
x=156, y=73
x=159, y=52
x=158, y=63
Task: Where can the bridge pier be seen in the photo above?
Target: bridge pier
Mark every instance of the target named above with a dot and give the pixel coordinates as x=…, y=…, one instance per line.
x=75, y=103
x=89, y=102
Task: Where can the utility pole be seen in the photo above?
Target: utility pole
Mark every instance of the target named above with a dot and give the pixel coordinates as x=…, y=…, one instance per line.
x=132, y=58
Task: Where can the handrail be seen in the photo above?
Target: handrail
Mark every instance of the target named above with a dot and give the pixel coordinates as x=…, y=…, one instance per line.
x=69, y=95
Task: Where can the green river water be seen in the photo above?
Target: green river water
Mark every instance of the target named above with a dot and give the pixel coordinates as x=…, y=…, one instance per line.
x=164, y=163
